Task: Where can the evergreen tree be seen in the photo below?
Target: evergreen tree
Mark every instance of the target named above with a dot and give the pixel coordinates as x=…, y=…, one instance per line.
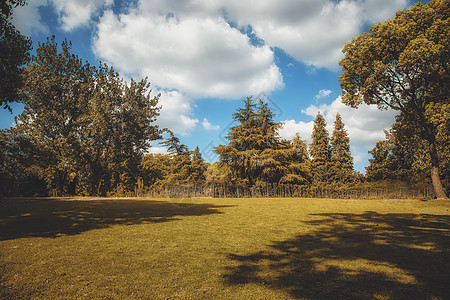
x=320, y=151
x=241, y=152
x=198, y=168
x=404, y=156
x=252, y=145
x=300, y=164
x=341, y=157
x=174, y=147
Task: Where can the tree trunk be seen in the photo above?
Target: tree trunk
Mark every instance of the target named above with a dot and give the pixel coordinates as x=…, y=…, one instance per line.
x=437, y=184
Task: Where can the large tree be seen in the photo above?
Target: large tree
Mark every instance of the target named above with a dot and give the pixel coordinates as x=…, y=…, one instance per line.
x=320, y=150
x=403, y=64
x=14, y=53
x=85, y=121
x=341, y=156
x=253, y=143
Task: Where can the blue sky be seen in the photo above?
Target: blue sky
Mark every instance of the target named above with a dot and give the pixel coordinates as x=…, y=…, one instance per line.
x=205, y=56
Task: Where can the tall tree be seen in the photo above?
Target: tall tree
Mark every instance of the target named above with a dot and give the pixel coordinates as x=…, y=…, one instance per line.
x=252, y=144
x=341, y=156
x=403, y=155
x=57, y=90
x=87, y=121
x=14, y=53
x=320, y=150
x=174, y=147
x=403, y=64
x=242, y=150
x=198, y=167
x=298, y=163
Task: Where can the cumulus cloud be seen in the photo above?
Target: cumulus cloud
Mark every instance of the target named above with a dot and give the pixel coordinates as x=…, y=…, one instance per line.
x=291, y=127
x=208, y=126
x=201, y=57
x=76, y=13
x=28, y=20
x=322, y=94
x=311, y=31
x=175, y=112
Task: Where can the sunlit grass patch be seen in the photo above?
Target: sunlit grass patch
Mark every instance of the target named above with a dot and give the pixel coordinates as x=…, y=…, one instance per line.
x=223, y=248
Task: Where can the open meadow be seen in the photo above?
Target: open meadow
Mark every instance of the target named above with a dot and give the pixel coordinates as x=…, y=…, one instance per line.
x=205, y=248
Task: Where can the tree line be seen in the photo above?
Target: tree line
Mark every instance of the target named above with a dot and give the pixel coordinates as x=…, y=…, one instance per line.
x=86, y=131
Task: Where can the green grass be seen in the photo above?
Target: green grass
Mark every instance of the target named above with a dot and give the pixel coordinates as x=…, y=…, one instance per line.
x=224, y=249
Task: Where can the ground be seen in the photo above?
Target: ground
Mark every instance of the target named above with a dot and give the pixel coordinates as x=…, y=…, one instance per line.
x=261, y=248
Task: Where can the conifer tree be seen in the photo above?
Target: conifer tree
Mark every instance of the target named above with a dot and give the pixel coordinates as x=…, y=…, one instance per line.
x=299, y=165
x=174, y=147
x=243, y=147
x=252, y=145
x=320, y=150
x=341, y=157
x=198, y=167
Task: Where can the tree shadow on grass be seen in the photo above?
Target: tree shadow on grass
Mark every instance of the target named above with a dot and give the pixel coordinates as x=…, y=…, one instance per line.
x=362, y=256
x=55, y=217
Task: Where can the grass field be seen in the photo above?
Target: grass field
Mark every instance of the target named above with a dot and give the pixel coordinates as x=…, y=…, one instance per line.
x=224, y=249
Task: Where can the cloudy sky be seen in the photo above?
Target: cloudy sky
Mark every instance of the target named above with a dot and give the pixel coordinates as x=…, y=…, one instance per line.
x=205, y=56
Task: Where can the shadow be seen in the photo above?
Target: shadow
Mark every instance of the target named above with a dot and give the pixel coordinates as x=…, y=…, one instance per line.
x=56, y=217
x=362, y=256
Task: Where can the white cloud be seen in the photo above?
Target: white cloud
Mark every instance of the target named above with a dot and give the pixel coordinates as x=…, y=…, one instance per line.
x=201, y=57
x=27, y=19
x=311, y=31
x=208, y=126
x=364, y=125
x=157, y=150
x=175, y=112
x=290, y=128
x=77, y=13
x=322, y=94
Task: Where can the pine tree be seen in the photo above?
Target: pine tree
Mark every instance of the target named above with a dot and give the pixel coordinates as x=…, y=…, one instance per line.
x=320, y=151
x=341, y=157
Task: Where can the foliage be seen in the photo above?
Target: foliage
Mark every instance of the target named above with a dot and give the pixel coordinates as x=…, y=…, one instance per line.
x=320, y=151
x=84, y=121
x=14, y=53
x=404, y=156
x=403, y=64
x=256, y=155
x=180, y=166
x=342, y=160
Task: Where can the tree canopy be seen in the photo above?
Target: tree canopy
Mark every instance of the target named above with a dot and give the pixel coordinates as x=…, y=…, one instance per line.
x=81, y=122
x=14, y=54
x=403, y=64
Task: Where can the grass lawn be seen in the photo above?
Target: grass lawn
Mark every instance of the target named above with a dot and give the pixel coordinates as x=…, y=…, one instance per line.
x=224, y=249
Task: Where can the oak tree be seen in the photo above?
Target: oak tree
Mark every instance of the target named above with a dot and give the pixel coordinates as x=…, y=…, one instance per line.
x=403, y=64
